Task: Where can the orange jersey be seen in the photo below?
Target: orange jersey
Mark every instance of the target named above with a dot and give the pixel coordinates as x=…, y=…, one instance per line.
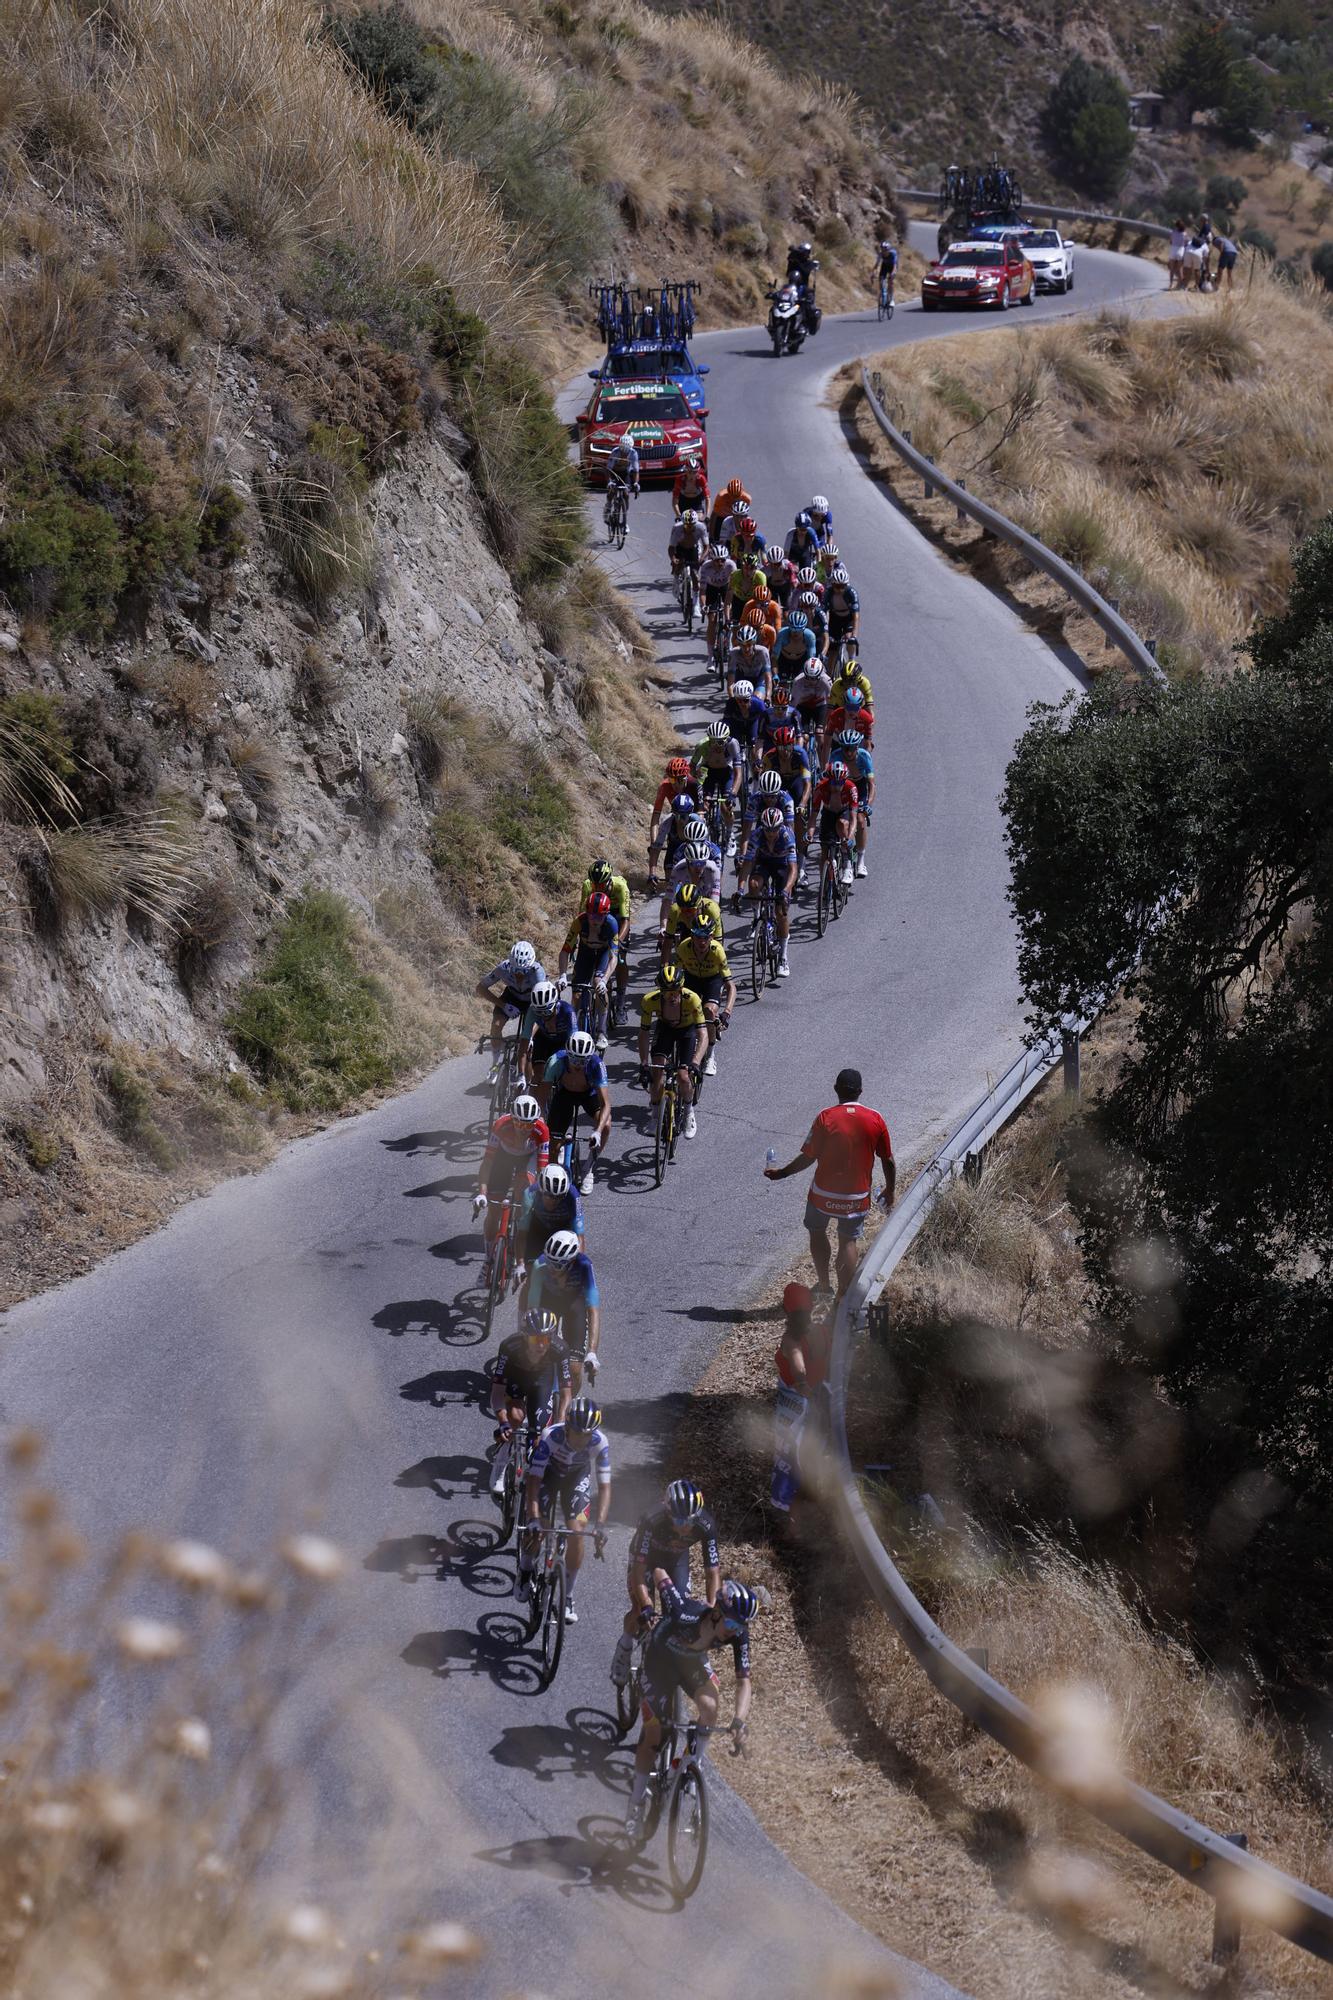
x=759, y=613
x=726, y=503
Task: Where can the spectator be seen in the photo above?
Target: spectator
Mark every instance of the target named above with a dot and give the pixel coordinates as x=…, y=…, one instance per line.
x=1204, y=234
x=1193, y=263
x=1226, y=260
x=1175, y=262
x=842, y=1145
x=802, y=1363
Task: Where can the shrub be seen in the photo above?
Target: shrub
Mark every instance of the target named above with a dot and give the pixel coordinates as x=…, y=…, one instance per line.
x=1259, y=239
x=258, y=767
x=311, y=1022
x=317, y=523
x=132, y=1103
x=210, y=929
x=77, y=872
x=389, y=53
x=535, y=817
x=477, y=877
x=36, y=759
x=1076, y=534
x=1225, y=192
x=1085, y=123
x=1214, y=344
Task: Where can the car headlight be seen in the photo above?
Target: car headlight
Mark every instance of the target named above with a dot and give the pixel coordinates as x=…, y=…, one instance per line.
x=602, y=450
x=987, y=278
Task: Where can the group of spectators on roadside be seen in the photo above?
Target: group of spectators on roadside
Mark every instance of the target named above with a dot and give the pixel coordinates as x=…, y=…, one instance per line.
x=1190, y=266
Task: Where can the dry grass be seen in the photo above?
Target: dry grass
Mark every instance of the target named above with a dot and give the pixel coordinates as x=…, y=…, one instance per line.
x=1174, y=461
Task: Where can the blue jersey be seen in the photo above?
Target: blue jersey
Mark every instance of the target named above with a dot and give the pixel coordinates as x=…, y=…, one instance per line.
x=551, y=1031
x=554, y=1448
x=793, y=651
x=775, y=849
x=759, y=800
x=862, y=767
x=593, y=1077
x=841, y=601
x=557, y=1287
x=563, y=1211
x=745, y=723
x=515, y=982
x=676, y=1633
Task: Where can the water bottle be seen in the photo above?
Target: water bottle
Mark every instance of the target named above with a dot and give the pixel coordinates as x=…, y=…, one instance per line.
x=771, y=1157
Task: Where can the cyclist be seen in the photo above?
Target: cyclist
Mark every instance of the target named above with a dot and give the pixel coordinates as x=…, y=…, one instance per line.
x=676, y=1659
x=715, y=574
x=843, y=609
x=852, y=750
x=530, y=1385
x=517, y=1150
x=808, y=578
x=886, y=271
x=562, y=1281
x=576, y=1080
x=835, y=801
x=851, y=674
x=802, y=543
x=725, y=502
x=717, y=764
x=855, y=714
x=516, y=976
x=623, y=464
x=790, y=759
x=690, y=489
x=770, y=858
x=808, y=603
x=673, y=834
x=744, y=714
x=686, y=545
x=688, y=905
x=569, y=1456
x=677, y=786
x=702, y=958
x=769, y=790
x=552, y=1023
x=663, y=1539
x=748, y=661
x=671, y=1029
x=601, y=875
x=828, y=559
x=763, y=614
x=742, y=537
x=794, y=648
x=821, y=517
x=748, y=572
x=699, y=863
x=779, y=573
x=550, y=1204
x=591, y=941
x=809, y=698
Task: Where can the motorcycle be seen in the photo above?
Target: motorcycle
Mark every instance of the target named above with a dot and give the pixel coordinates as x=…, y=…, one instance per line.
x=786, y=321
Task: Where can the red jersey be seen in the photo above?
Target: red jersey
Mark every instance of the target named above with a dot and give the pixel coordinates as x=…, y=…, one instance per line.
x=670, y=788
x=844, y=1142
x=845, y=802
x=815, y=1346
x=860, y=719
x=697, y=497
x=518, y=1142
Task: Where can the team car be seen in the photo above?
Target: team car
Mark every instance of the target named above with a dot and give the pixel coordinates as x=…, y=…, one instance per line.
x=1051, y=256
x=655, y=415
x=980, y=272
x=636, y=359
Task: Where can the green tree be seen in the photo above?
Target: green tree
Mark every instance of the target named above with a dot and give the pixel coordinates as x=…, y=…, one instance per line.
x=1085, y=124
x=1197, y=70
x=1245, y=107
x=1177, y=839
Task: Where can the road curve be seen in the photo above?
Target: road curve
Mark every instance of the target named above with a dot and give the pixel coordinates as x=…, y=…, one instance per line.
x=300, y=1344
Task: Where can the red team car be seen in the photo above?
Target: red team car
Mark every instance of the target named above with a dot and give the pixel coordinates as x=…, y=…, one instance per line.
x=659, y=421
x=985, y=272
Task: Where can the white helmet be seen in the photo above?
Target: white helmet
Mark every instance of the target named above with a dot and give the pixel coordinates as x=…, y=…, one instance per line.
x=526, y=1109
x=563, y=1247
x=771, y=817
x=696, y=853
x=718, y=732
x=743, y=689
x=696, y=828
x=819, y=505
x=546, y=996
x=522, y=956
x=581, y=1045
x=770, y=781
x=553, y=1180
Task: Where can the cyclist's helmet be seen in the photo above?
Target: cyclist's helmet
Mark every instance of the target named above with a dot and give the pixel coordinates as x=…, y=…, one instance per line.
x=743, y=690
x=807, y=577
x=837, y=771
x=584, y=1416
x=563, y=1247
x=819, y=505
x=799, y=622
x=581, y=1045
x=526, y=1109
x=770, y=781
x=696, y=829
x=546, y=997
x=697, y=854
x=839, y=575
x=672, y=976
x=885, y=244
x=754, y=562
x=804, y=249
x=831, y=552
x=736, y=1601
x=716, y=552
x=687, y=517
x=749, y=636
x=781, y=700
x=771, y=817
x=522, y=956
x=743, y=511
x=684, y=804
x=553, y=1180
x=847, y=739
x=803, y=521
x=601, y=874
x=734, y=486
x=810, y=599
x=598, y=904
x=688, y=895
x=700, y=924
x=718, y=732
x=784, y=736
x=684, y=1501
x=853, y=698
x=679, y=768
x=544, y=1324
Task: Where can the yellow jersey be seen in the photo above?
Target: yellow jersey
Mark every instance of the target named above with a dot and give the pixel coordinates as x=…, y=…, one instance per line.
x=704, y=907
x=619, y=894
x=691, y=1010
x=702, y=958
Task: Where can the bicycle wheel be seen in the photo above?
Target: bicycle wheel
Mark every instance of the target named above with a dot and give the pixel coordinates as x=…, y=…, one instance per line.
x=687, y=1830
x=661, y=1779
x=499, y=1283
x=500, y=1089
x=758, y=957
x=837, y=885
x=553, y=1626
x=662, y=1136
x=509, y=1498
x=823, y=896
x=537, y=1604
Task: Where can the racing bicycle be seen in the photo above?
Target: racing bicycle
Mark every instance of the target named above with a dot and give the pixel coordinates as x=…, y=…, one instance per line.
x=507, y=1081
x=616, y=511
x=687, y=593
x=666, y=1126
x=831, y=900
x=502, y=1258
x=522, y=1444
x=765, y=944
x=549, y=1588
x=576, y=1154
x=592, y=1005
x=676, y=1786
x=885, y=296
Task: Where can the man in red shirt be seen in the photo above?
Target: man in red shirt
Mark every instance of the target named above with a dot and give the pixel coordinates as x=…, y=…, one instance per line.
x=802, y=1363
x=842, y=1146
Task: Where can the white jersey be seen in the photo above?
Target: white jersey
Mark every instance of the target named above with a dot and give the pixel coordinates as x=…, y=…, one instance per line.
x=716, y=572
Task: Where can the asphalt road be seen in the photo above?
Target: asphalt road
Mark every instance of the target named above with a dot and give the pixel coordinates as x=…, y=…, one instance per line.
x=302, y=1345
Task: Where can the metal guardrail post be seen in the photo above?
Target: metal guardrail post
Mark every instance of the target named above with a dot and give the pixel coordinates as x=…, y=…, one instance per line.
x=1071, y=1043
x=1226, y=1923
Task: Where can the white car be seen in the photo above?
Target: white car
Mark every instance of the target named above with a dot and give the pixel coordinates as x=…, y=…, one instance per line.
x=1051, y=256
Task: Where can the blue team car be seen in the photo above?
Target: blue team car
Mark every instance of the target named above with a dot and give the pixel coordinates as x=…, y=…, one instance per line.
x=635, y=360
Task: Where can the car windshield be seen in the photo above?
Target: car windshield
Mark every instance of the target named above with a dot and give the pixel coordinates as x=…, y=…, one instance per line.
x=660, y=405
x=980, y=253
x=1042, y=239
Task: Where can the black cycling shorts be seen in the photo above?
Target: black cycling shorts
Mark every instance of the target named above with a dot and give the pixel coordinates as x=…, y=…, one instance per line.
x=814, y=714
x=715, y=595
x=664, y=1672
x=717, y=781
x=840, y=624
x=572, y=1490
x=505, y=1175
x=830, y=824
x=673, y=1047
x=564, y=1103
x=708, y=988
x=545, y=1045
x=774, y=872
x=587, y=958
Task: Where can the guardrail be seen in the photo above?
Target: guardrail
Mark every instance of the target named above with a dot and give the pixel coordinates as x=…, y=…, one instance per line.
x=1057, y=214
x=1243, y=1887
x=1139, y=653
